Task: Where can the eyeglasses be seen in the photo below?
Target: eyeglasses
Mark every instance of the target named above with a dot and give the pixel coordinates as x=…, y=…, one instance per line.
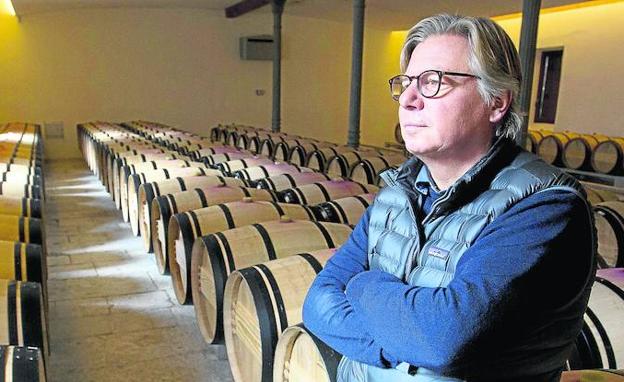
x=428, y=82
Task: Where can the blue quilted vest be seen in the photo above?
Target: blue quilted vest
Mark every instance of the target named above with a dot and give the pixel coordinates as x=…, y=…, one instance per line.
x=424, y=250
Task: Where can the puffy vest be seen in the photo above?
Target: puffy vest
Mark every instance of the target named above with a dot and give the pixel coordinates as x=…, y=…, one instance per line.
x=424, y=250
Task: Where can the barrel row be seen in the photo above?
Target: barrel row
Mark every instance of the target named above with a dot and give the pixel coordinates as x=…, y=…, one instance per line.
x=131, y=206
x=168, y=136
x=589, y=152
x=203, y=214
x=23, y=271
x=362, y=165
x=105, y=147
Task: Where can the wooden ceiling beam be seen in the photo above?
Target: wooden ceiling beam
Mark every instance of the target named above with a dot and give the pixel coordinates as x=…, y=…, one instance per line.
x=243, y=7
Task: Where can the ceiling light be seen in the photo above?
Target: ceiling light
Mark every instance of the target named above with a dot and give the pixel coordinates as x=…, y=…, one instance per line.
x=7, y=7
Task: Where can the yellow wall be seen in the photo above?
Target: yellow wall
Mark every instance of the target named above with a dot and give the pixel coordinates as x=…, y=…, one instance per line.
x=177, y=67
x=590, y=94
x=379, y=110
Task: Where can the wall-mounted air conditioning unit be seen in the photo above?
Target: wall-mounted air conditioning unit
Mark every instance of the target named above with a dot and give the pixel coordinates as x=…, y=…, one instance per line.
x=256, y=47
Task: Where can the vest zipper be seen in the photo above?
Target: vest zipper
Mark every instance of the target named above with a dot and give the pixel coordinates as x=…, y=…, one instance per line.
x=434, y=207
x=409, y=265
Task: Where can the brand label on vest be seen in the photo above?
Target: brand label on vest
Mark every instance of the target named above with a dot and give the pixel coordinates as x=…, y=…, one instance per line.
x=438, y=252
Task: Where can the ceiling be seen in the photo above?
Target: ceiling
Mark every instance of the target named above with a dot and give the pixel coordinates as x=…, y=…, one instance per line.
x=381, y=14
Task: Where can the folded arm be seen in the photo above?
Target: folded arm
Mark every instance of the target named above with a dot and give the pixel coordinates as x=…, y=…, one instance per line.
x=512, y=267
x=326, y=311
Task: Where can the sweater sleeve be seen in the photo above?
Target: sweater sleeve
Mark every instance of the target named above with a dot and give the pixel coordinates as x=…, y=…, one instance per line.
x=326, y=311
x=508, y=274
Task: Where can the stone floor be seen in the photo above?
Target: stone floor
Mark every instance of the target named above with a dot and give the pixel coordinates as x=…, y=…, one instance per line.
x=112, y=316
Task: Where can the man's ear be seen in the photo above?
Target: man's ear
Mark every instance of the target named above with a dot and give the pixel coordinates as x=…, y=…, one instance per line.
x=500, y=106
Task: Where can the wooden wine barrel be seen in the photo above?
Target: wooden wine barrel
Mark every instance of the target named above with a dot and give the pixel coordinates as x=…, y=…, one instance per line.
x=15, y=177
x=230, y=167
x=20, y=190
x=596, y=195
x=21, y=261
x=231, y=137
x=20, y=206
x=577, y=152
x=301, y=356
x=601, y=343
x=132, y=156
x=242, y=142
x=216, y=133
x=367, y=170
x=24, y=323
x=319, y=192
x=254, y=173
x=317, y=159
x=122, y=172
x=533, y=139
x=135, y=181
x=259, y=303
x=255, y=140
x=19, y=228
x=282, y=149
x=34, y=162
x=347, y=210
x=299, y=154
x=164, y=206
x=8, y=166
x=116, y=165
x=609, y=217
x=217, y=255
x=187, y=146
x=214, y=159
x=136, y=156
x=285, y=181
x=213, y=150
x=267, y=146
x=130, y=192
x=185, y=227
x=152, y=165
x=148, y=191
x=608, y=157
x=550, y=148
x=21, y=364
x=340, y=165
x=592, y=375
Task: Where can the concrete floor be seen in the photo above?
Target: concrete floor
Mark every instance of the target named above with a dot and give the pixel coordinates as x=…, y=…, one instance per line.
x=112, y=316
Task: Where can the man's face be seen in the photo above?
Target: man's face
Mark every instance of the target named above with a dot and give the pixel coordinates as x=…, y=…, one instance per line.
x=454, y=125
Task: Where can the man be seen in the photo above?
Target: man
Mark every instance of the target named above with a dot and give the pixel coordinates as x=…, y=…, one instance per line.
x=476, y=261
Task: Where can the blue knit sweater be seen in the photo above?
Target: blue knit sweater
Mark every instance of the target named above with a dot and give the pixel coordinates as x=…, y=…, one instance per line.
x=519, y=265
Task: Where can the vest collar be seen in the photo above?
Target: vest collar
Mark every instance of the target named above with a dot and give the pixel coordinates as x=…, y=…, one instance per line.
x=413, y=175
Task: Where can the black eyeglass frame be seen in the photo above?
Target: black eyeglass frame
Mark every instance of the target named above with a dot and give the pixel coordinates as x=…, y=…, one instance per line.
x=440, y=73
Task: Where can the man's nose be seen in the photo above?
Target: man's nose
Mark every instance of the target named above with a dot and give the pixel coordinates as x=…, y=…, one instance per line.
x=411, y=97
